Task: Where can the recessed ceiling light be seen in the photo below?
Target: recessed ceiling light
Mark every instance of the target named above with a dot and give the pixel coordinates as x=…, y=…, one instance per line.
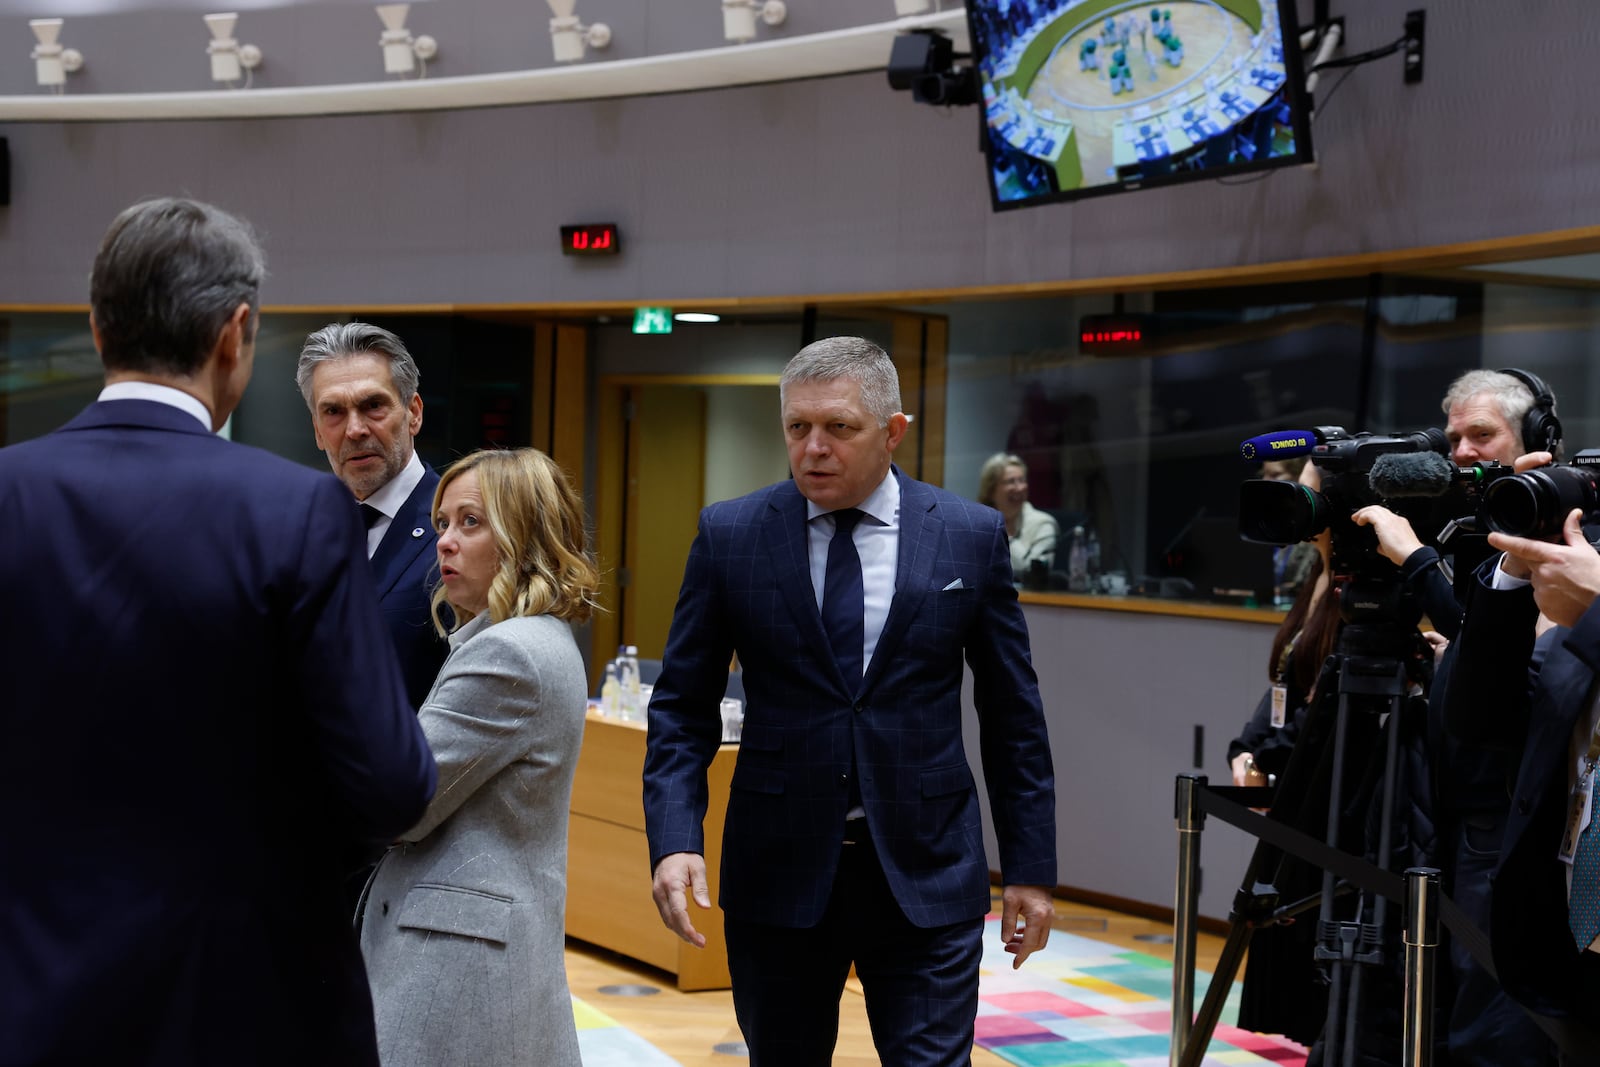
x=696, y=316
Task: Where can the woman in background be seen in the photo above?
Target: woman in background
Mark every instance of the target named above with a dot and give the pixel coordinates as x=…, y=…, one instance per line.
x=1003, y=485
x=464, y=919
x=1284, y=991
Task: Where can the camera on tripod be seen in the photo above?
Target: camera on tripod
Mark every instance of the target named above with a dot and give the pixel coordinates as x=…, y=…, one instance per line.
x=1409, y=473
x=1536, y=503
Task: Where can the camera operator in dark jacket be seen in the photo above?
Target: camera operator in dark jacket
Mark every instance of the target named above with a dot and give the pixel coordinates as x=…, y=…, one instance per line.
x=1492, y=416
x=1542, y=929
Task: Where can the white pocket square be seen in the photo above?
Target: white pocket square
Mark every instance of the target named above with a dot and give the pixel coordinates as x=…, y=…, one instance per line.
x=957, y=584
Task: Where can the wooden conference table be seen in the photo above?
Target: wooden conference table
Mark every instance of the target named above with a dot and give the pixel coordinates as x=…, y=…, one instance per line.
x=608, y=859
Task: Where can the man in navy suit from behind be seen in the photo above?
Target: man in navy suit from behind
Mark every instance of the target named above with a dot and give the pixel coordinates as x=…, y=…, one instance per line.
x=203, y=715
x=853, y=831
x=361, y=386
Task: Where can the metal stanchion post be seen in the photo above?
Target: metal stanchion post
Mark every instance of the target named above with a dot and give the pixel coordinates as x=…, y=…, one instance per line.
x=1186, y=909
x=1422, y=942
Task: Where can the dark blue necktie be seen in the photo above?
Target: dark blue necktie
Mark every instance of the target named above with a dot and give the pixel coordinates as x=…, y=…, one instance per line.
x=844, y=596
x=1583, y=906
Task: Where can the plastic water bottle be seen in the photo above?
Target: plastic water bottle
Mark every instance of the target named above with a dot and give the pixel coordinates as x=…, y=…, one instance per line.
x=1091, y=557
x=611, y=693
x=1078, y=562
x=628, y=676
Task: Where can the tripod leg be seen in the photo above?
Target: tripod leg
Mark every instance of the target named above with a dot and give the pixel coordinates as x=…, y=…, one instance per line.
x=1205, y=1024
x=1369, y=944
x=1332, y=1030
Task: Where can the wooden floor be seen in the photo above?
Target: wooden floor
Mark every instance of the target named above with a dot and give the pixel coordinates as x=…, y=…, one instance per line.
x=689, y=1026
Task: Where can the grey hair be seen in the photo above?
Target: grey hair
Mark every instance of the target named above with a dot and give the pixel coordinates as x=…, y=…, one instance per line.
x=340, y=340
x=993, y=468
x=854, y=358
x=1511, y=395
x=168, y=276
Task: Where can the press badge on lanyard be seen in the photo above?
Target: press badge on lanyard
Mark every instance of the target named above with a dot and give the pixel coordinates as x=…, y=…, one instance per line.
x=1578, y=814
x=1280, y=705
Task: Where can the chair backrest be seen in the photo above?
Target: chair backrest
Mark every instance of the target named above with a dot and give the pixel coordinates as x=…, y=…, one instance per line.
x=649, y=671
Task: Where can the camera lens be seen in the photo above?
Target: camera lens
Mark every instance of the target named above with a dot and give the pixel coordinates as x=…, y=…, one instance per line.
x=1280, y=513
x=1535, y=503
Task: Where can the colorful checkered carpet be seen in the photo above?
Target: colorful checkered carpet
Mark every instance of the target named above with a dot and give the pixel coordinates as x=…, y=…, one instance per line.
x=1087, y=1003
x=603, y=1042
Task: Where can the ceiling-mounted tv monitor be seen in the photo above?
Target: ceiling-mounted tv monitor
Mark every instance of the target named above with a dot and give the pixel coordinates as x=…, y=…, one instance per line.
x=1084, y=97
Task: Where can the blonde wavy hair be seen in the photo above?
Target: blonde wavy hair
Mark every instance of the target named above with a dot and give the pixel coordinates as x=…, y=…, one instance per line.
x=545, y=566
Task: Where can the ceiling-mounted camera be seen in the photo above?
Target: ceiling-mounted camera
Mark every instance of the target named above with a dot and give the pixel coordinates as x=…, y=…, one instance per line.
x=924, y=62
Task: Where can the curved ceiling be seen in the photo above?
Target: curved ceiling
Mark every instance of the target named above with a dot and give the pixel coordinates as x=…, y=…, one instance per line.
x=842, y=51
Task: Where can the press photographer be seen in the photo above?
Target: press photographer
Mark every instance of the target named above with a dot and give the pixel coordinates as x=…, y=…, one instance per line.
x=1490, y=413
x=1494, y=417
x=1363, y=792
x=1545, y=907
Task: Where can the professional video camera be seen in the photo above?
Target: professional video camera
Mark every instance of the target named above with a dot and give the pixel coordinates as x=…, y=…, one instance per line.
x=1408, y=473
x=1536, y=503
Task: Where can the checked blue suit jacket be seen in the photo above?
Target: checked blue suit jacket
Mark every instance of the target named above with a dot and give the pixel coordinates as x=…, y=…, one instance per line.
x=1491, y=699
x=747, y=589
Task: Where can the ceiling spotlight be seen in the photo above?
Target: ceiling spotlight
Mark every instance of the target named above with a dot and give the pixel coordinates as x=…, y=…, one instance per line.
x=568, y=36
x=229, y=58
x=697, y=316
x=400, y=50
x=739, y=17
x=52, y=63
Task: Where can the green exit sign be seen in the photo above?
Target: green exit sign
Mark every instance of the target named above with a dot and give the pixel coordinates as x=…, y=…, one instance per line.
x=652, y=320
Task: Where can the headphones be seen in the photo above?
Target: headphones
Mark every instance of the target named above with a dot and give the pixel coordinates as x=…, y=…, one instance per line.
x=1541, y=430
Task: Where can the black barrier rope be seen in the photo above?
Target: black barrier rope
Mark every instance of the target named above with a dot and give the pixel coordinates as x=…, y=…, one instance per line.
x=1224, y=803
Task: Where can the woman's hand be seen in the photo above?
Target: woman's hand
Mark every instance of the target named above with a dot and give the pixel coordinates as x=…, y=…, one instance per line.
x=1245, y=771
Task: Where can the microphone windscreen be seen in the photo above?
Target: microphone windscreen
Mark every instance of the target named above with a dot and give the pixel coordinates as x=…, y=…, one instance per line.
x=1400, y=474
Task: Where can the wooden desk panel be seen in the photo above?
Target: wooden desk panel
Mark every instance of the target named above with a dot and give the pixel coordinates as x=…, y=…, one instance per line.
x=608, y=860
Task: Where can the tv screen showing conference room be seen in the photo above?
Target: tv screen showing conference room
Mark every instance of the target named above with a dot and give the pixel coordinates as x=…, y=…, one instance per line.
x=1081, y=97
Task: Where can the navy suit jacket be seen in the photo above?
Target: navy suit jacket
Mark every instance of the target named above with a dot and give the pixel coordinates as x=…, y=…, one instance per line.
x=202, y=717
x=747, y=589
x=1491, y=699
x=405, y=569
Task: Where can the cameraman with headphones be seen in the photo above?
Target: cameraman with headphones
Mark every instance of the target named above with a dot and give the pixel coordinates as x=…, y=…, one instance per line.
x=1494, y=416
x=1545, y=929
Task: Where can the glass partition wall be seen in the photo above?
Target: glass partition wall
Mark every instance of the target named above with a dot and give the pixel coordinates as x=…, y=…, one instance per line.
x=1136, y=450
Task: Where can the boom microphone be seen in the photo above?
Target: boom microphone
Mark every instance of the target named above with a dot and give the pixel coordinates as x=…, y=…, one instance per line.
x=1402, y=474
x=1280, y=444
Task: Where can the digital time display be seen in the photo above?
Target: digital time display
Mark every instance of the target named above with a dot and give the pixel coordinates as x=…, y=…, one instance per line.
x=1120, y=335
x=591, y=239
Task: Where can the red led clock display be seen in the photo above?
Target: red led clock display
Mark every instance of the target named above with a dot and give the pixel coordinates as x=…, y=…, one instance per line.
x=1120, y=334
x=591, y=239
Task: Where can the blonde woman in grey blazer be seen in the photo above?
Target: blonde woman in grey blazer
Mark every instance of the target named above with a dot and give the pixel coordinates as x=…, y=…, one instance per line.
x=463, y=920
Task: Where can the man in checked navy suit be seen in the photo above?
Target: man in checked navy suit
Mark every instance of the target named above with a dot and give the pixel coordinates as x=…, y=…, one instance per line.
x=853, y=835
x=361, y=386
x=202, y=713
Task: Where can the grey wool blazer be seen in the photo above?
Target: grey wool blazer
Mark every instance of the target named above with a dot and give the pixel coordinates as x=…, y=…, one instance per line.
x=463, y=929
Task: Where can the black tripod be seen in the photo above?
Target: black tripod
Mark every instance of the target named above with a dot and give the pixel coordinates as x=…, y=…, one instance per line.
x=1370, y=673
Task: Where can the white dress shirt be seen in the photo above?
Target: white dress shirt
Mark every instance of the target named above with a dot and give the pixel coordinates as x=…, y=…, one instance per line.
x=161, y=394
x=390, y=499
x=877, y=541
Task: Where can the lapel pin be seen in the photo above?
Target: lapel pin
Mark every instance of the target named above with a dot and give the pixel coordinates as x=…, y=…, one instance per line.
x=417, y=532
